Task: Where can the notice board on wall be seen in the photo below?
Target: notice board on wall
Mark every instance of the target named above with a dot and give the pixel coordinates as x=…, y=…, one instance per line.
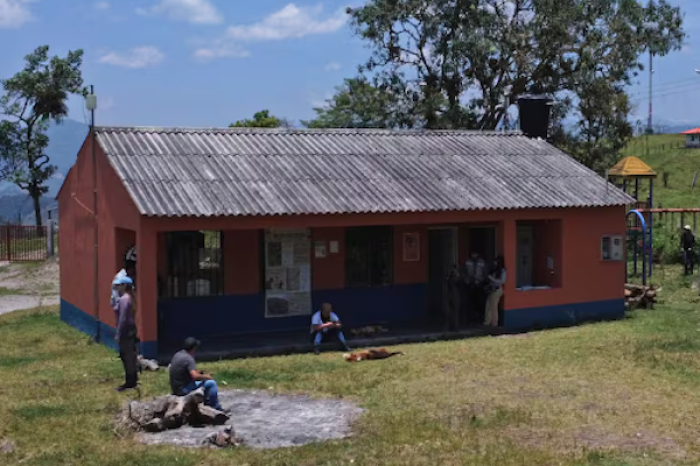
x=287, y=272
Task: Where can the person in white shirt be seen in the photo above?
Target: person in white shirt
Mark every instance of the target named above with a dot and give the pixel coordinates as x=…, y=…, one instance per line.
x=325, y=325
x=497, y=278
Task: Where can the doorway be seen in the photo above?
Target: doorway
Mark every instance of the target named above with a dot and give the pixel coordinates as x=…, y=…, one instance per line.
x=442, y=253
x=482, y=239
x=523, y=271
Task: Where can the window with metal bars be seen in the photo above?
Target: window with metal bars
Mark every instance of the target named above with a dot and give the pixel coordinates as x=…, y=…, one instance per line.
x=369, y=256
x=194, y=264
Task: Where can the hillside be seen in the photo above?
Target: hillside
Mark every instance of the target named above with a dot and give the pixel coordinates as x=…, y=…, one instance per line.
x=64, y=142
x=667, y=154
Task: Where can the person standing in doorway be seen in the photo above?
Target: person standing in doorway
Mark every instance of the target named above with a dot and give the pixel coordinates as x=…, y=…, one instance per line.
x=126, y=333
x=475, y=276
x=452, y=304
x=688, y=249
x=497, y=278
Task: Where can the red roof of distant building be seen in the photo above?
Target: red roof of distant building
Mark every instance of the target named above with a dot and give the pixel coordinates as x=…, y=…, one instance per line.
x=692, y=131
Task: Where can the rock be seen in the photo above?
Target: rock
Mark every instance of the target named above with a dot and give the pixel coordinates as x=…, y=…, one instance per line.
x=223, y=439
x=7, y=446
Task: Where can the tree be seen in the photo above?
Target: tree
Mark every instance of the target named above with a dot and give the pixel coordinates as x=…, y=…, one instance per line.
x=463, y=57
x=359, y=104
x=262, y=119
x=32, y=98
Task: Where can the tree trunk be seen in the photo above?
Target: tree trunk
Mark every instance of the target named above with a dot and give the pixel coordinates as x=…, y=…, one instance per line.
x=36, y=198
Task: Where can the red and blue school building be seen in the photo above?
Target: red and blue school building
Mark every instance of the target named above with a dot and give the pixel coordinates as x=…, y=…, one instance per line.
x=244, y=232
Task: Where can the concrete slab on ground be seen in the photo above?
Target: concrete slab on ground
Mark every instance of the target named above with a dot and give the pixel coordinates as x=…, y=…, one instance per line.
x=267, y=420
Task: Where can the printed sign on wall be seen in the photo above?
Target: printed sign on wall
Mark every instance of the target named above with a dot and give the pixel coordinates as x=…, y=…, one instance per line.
x=287, y=273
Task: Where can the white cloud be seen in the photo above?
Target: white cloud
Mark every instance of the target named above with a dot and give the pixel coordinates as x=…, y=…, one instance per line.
x=289, y=23
x=333, y=66
x=192, y=11
x=138, y=57
x=220, y=50
x=102, y=6
x=14, y=13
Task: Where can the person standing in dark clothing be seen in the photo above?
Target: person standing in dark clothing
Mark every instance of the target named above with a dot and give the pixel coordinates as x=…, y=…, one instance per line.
x=126, y=333
x=474, y=278
x=453, y=299
x=688, y=249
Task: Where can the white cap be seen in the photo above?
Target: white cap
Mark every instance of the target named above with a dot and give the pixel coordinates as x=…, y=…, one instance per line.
x=687, y=227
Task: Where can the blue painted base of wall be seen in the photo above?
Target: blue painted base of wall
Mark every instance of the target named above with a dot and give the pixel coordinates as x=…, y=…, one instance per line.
x=563, y=315
x=88, y=325
x=231, y=315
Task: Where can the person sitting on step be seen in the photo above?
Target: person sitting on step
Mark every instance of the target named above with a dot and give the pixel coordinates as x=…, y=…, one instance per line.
x=326, y=325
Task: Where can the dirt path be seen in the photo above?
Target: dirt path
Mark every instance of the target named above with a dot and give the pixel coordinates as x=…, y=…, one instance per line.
x=28, y=285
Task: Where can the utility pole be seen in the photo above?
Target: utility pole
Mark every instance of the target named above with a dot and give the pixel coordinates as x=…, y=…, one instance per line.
x=651, y=73
x=91, y=104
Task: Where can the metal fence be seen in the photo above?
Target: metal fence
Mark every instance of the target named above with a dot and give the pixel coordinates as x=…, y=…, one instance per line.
x=23, y=243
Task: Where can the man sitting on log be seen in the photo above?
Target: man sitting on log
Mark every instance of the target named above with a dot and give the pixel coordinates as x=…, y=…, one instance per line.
x=185, y=378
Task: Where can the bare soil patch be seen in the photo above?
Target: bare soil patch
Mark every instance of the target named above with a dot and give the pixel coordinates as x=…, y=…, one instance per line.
x=266, y=420
x=28, y=285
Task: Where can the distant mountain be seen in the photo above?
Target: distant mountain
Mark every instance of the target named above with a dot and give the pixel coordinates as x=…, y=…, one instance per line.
x=65, y=140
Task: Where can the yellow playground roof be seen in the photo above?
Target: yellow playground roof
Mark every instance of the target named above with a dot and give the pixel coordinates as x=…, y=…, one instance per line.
x=631, y=167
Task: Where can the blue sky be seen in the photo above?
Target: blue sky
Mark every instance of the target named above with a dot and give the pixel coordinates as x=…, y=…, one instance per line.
x=211, y=62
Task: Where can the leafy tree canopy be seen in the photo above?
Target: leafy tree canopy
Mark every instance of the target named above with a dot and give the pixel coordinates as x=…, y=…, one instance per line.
x=31, y=99
x=452, y=63
x=261, y=119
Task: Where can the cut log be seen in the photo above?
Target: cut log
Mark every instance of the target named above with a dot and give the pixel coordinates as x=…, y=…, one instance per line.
x=148, y=364
x=206, y=415
x=171, y=412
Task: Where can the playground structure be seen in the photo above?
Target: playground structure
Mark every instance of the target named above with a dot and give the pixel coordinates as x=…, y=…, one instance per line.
x=626, y=175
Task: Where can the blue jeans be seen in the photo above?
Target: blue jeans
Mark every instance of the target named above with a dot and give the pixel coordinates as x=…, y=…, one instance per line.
x=211, y=392
x=327, y=334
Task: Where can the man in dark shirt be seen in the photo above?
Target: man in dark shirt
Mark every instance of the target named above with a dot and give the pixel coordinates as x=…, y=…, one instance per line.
x=185, y=378
x=688, y=248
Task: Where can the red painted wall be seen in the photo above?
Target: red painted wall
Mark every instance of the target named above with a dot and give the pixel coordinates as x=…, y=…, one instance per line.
x=241, y=262
x=406, y=273
x=579, y=260
x=115, y=209
x=328, y=273
x=577, y=257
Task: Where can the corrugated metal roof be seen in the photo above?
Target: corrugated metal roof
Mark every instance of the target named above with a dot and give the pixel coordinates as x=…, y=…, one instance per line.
x=252, y=171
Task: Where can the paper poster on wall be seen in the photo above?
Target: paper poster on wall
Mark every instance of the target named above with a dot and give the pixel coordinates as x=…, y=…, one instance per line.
x=334, y=247
x=320, y=249
x=287, y=273
x=411, y=247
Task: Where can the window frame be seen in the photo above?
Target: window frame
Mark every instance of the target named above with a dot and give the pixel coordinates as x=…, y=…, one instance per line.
x=191, y=264
x=372, y=240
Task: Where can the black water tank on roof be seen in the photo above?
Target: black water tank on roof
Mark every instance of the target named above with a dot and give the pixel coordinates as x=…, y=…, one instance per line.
x=534, y=109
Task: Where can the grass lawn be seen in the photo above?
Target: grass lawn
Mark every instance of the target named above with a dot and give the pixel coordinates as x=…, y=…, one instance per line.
x=610, y=394
x=665, y=155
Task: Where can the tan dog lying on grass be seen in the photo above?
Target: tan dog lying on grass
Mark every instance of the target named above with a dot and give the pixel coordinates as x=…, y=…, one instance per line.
x=369, y=355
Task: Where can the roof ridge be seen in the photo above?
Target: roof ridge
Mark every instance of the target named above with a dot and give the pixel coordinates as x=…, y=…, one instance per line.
x=251, y=130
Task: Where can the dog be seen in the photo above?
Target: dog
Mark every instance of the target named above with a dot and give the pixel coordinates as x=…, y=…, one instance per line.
x=370, y=355
x=369, y=330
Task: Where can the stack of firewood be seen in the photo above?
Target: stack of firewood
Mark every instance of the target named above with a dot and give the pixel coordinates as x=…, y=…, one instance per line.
x=640, y=296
